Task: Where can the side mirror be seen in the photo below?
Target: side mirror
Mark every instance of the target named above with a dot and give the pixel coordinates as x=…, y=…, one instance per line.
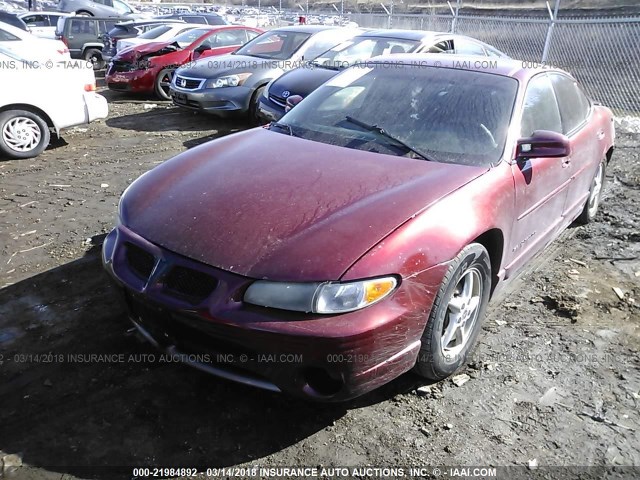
x=543, y=143
x=292, y=101
x=201, y=49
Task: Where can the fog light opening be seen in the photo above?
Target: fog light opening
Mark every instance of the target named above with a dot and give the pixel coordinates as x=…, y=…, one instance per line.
x=321, y=382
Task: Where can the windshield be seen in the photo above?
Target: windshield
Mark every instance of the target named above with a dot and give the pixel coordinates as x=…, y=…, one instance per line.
x=121, y=7
x=155, y=32
x=190, y=36
x=274, y=44
x=440, y=114
x=362, y=48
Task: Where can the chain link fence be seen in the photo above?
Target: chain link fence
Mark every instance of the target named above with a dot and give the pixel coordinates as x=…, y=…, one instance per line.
x=602, y=53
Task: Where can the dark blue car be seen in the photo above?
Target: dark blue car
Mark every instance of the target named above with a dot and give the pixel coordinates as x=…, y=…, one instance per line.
x=304, y=80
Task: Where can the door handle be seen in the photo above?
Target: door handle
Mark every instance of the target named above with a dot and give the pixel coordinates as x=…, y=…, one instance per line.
x=566, y=162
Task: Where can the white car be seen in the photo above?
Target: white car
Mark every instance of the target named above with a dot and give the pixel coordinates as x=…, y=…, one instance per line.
x=42, y=24
x=26, y=44
x=44, y=96
x=161, y=33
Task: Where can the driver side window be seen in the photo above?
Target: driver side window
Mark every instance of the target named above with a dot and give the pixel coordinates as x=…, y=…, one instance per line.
x=540, y=110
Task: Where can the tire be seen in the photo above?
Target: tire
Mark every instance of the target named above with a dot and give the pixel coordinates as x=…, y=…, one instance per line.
x=84, y=13
x=595, y=193
x=470, y=269
x=162, y=82
x=254, y=113
x=94, y=56
x=23, y=134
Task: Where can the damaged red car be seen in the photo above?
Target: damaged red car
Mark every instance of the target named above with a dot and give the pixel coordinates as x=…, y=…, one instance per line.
x=363, y=235
x=149, y=68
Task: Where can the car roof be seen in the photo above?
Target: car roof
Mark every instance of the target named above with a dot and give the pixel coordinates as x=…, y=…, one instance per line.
x=159, y=21
x=86, y=18
x=401, y=34
x=305, y=28
x=45, y=12
x=505, y=67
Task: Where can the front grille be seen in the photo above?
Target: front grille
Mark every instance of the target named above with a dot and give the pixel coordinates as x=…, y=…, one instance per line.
x=188, y=83
x=190, y=284
x=278, y=100
x=120, y=66
x=140, y=262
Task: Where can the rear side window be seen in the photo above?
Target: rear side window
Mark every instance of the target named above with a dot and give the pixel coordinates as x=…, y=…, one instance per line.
x=444, y=46
x=155, y=32
x=7, y=37
x=36, y=20
x=321, y=42
x=228, y=38
x=215, y=20
x=540, y=111
x=194, y=19
x=83, y=27
x=250, y=35
x=467, y=47
x=573, y=103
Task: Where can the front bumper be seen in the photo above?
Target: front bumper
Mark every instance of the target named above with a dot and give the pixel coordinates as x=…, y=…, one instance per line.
x=138, y=81
x=219, y=101
x=270, y=110
x=327, y=358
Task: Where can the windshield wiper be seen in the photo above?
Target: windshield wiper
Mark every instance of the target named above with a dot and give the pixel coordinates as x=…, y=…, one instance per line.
x=381, y=131
x=283, y=126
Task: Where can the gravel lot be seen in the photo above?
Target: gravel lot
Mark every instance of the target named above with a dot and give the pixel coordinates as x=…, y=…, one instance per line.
x=555, y=380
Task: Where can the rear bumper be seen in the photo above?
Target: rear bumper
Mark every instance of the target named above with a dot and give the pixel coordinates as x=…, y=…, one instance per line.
x=325, y=358
x=97, y=106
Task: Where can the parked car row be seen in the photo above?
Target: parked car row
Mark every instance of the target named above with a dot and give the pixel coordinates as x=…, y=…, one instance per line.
x=148, y=68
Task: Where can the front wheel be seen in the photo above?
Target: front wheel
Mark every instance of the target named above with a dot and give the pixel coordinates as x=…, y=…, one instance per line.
x=595, y=193
x=94, y=56
x=456, y=315
x=254, y=112
x=23, y=134
x=163, y=83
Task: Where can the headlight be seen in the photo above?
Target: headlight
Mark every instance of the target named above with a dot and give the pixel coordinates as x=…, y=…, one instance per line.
x=227, y=81
x=330, y=297
x=142, y=65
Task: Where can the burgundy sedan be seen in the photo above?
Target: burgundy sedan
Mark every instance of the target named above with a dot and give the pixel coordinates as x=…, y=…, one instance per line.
x=363, y=235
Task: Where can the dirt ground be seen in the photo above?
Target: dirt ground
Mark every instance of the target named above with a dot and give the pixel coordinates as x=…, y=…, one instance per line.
x=555, y=380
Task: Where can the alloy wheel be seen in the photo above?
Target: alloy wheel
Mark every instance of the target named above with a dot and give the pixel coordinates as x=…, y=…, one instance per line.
x=462, y=313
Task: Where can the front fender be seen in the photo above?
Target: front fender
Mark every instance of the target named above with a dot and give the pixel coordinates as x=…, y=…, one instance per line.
x=437, y=234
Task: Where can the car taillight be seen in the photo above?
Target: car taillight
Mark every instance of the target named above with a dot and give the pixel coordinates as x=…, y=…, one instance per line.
x=90, y=87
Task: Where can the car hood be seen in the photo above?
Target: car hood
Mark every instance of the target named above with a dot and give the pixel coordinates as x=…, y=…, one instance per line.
x=267, y=205
x=137, y=51
x=301, y=81
x=228, y=65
